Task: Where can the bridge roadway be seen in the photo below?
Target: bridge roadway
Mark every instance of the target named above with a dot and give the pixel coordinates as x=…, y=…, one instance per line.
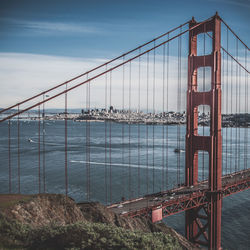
x=181, y=198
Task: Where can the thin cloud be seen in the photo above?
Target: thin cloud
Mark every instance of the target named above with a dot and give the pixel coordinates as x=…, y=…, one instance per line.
x=241, y=3
x=53, y=28
x=61, y=28
x=24, y=75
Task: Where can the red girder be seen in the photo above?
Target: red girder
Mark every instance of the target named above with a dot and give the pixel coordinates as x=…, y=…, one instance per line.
x=189, y=201
x=236, y=187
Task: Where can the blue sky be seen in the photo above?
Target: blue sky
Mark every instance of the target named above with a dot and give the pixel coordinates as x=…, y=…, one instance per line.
x=80, y=34
x=92, y=28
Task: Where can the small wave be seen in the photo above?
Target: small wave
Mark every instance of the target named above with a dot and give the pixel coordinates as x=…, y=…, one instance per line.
x=122, y=165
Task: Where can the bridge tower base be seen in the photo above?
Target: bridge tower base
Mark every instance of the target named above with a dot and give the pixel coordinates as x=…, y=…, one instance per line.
x=203, y=224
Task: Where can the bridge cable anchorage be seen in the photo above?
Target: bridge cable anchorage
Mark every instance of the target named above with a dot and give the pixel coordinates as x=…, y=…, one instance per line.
x=66, y=141
x=98, y=75
x=9, y=155
x=94, y=69
x=110, y=136
x=39, y=151
x=43, y=142
x=18, y=151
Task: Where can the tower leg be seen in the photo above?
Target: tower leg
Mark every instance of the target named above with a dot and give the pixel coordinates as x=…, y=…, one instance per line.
x=203, y=224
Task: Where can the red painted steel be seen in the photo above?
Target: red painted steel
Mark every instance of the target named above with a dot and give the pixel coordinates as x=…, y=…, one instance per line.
x=189, y=200
x=191, y=131
x=211, y=144
x=201, y=203
x=157, y=215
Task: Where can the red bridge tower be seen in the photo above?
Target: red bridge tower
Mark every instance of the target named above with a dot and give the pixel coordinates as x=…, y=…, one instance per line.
x=203, y=224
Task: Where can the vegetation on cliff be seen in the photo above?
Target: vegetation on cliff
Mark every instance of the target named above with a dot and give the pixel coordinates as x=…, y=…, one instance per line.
x=56, y=222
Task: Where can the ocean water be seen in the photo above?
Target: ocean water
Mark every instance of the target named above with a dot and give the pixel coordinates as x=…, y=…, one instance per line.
x=114, y=168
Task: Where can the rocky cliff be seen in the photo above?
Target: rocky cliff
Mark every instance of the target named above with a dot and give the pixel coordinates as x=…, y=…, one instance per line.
x=53, y=221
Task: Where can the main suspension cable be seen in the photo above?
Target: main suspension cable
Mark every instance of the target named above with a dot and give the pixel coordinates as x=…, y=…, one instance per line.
x=102, y=73
x=94, y=69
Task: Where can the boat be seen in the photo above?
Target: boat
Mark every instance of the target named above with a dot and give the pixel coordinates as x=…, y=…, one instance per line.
x=177, y=150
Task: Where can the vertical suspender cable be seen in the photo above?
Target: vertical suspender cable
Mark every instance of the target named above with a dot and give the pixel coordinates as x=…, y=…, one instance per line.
x=123, y=112
x=87, y=138
x=89, y=148
x=153, y=163
x=39, y=151
x=66, y=142
x=106, y=175
x=43, y=127
x=167, y=115
x=231, y=129
x=138, y=125
x=246, y=114
x=129, y=133
x=236, y=119
x=227, y=94
x=180, y=101
x=110, y=137
x=88, y=141
x=222, y=130
x=9, y=154
x=147, y=125
x=163, y=117
x=18, y=150
x=239, y=121
x=246, y=164
x=178, y=109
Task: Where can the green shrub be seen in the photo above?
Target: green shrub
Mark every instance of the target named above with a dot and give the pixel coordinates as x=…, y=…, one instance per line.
x=98, y=236
x=80, y=236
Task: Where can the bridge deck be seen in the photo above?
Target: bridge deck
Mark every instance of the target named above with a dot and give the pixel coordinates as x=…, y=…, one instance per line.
x=182, y=198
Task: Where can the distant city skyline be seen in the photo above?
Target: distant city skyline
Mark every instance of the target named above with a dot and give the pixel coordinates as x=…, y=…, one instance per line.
x=47, y=42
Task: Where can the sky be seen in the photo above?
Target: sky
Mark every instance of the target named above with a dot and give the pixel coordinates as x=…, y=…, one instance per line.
x=44, y=42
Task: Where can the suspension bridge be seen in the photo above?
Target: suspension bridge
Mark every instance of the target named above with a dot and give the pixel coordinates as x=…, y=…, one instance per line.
x=162, y=129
